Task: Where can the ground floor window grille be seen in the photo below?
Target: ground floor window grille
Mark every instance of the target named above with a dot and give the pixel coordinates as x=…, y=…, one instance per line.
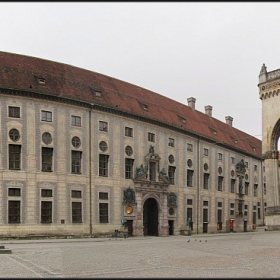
x=103, y=213
x=46, y=211
x=76, y=212
x=14, y=211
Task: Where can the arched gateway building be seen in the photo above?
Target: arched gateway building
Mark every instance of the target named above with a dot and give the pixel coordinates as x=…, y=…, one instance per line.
x=80, y=152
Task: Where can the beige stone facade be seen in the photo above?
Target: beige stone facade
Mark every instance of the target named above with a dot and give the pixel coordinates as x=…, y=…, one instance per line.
x=269, y=93
x=126, y=168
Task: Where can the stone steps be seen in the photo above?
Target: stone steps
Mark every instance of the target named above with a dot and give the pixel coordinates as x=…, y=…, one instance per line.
x=4, y=251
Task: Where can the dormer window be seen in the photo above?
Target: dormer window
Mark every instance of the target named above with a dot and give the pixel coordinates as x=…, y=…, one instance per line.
x=213, y=131
x=183, y=120
x=41, y=81
x=143, y=106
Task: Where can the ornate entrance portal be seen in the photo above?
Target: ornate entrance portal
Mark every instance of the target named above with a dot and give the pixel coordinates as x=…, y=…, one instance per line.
x=269, y=93
x=150, y=217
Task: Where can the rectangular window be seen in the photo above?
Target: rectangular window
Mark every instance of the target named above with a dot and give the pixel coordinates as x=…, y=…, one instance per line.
x=46, y=116
x=205, y=203
x=103, y=213
x=220, y=204
x=255, y=190
x=220, y=156
x=245, y=206
x=171, y=142
x=76, y=121
x=129, y=168
x=14, y=212
x=103, y=195
x=47, y=159
x=76, y=194
x=14, y=112
x=189, y=201
x=152, y=171
x=14, y=192
x=189, y=147
x=189, y=213
x=128, y=131
x=246, y=188
x=205, y=215
x=103, y=165
x=231, y=212
x=232, y=160
x=232, y=185
x=206, y=181
x=206, y=152
x=220, y=218
x=76, y=162
x=246, y=164
x=103, y=126
x=189, y=178
x=14, y=157
x=171, y=174
x=46, y=193
x=264, y=188
x=220, y=183
x=246, y=213
x=76, y=212
x=254, y=217
x=151, y=137
x=46, y=211
x=232, y=205
x=259, y=213
x=255, y=167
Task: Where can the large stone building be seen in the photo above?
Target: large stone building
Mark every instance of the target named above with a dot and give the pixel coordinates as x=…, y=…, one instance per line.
x=81, y=153
x=269, y=89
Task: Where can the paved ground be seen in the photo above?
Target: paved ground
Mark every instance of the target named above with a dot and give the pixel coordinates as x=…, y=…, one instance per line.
x=250, y=254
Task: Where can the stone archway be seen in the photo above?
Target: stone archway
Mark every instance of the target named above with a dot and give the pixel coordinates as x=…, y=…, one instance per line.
x=269, y=88
x=150, y=217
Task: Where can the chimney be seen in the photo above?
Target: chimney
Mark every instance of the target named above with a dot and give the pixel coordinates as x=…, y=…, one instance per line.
x=229, y=120
x=208, y=110
x=191, y=102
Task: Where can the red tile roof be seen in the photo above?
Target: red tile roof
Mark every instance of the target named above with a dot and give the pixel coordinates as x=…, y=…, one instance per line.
x=62, y=80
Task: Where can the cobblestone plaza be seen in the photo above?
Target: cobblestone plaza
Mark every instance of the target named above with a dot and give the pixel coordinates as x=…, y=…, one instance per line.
x=251, y=254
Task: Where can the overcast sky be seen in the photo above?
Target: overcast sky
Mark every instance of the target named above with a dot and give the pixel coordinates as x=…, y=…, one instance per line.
x=211, y=51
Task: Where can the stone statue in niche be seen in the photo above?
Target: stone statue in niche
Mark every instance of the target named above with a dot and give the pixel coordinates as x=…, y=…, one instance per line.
x=240, y=166
x=163, y=173
x=129, y=196
x=172, y=199
x=140, y=171
x=151, y=150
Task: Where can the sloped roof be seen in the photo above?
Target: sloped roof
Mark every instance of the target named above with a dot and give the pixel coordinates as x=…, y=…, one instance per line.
x=19, y=72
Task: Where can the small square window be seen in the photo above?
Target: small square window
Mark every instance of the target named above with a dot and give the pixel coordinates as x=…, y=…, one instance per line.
x=189, y=201
x=171, y=142
x=14, y=112
x=205, y=203
x=206, y=152
x=46, y=193
x=76, y=121
x=232, y=205
x=103, y=195
x=189, y=147
x=151, y=137
x=46, y=116
x=103, y=126
x=14, y=191
x=220, y=204
x=76, y=194
x=128, y=131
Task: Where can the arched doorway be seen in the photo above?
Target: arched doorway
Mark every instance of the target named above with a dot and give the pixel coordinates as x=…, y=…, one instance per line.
x=150, y=217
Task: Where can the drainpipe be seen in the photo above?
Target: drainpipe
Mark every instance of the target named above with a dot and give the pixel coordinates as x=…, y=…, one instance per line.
x=90, y=195
x=197, y=183
x=262, y=182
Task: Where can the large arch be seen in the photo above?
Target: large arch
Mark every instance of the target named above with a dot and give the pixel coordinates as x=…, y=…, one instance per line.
x=269, y=86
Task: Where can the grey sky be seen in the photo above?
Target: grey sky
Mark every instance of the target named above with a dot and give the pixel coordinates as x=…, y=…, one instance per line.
x=211, y=51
